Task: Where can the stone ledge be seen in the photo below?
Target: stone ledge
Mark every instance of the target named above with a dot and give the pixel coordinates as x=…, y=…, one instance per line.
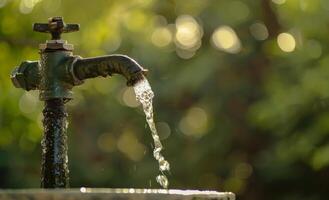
x=113, y=194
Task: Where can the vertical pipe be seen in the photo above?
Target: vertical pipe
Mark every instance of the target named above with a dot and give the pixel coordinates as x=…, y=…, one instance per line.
x=54, y=167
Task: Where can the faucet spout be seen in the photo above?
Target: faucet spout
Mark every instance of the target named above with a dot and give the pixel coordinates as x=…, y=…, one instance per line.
x=84, y=68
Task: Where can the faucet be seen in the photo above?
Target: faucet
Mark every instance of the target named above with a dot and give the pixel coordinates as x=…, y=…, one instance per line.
x=54, y=75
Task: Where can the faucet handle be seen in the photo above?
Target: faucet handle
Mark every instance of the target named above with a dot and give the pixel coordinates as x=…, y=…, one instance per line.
x=55, y=27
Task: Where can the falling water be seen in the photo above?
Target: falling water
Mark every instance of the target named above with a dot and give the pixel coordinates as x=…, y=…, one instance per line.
x=144, y=95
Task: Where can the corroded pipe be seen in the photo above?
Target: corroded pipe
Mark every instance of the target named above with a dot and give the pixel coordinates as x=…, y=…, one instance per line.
x=54, y=170
x=85, y=68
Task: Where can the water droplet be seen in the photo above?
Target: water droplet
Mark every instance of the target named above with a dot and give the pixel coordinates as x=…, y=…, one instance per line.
x=164, y=165
x=162, y=180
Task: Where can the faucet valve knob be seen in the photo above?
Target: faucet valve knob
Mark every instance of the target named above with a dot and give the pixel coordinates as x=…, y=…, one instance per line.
x=55, y=27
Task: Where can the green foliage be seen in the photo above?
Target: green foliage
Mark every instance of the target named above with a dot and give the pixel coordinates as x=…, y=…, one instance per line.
x=241, y=107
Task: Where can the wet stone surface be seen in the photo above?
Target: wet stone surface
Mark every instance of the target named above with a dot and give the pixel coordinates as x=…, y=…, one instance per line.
x=114, y=194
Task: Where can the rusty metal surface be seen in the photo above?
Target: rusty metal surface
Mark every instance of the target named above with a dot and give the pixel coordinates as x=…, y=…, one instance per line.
x=54, y=170
x=114, y=194
x=55, y=26
x=26, y=76
x=55, y=81
x=107, y=65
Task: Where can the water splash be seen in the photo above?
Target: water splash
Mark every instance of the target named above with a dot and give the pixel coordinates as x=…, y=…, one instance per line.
x=144, y=95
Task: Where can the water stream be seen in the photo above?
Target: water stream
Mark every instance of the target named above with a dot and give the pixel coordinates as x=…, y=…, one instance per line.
x=144, y=95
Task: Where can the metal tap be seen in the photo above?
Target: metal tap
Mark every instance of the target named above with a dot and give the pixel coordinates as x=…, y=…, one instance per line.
x=54, y=75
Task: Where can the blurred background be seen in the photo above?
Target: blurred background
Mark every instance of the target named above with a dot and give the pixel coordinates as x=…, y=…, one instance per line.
x=241, y=101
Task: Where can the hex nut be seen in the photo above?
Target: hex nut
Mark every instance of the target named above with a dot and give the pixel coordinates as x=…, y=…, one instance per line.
x=56, y=45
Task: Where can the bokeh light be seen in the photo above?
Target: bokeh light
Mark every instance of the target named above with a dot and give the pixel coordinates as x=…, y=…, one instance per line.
x=26, y=6
x=188, y=32
x=243, y=170
x=135, y=21
x=279, y=2
x=240, y=11
x=320, y=158
x=314, y=49
x=161, y=37
x=7, y=26
x=259, y=31
x=286, y=42
x=130, y=146
x=3, y=3
x=225, y=38
x=163, y=129
x=185, y=54
x=129, y=98
x=106, y=142
x=235, y=184
x=28, y=102
x=195, y=122
x=52, y=6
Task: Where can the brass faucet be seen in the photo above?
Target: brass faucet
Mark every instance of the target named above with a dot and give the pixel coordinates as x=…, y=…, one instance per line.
x=54, y=75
